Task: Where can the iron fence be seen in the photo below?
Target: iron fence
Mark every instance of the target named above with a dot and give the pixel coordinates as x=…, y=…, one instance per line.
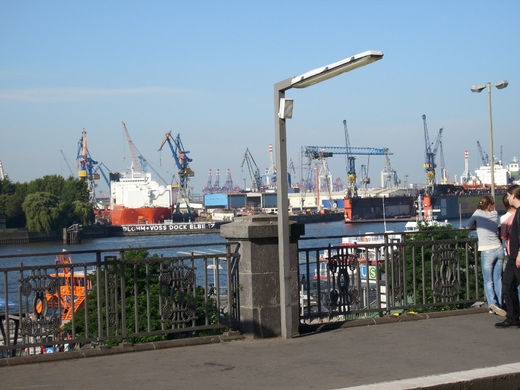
x=381, y=274
x=116, y=295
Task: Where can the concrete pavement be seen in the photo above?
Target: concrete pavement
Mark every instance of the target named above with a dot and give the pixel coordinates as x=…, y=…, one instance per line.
x=346, y=357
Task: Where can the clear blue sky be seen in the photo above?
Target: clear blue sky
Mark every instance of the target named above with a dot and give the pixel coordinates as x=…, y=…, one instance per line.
x=206, y=70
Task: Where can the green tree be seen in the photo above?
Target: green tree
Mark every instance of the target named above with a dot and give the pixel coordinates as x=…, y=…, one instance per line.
x=42, y=210
x=82, y=212
x=74, y=190
x=52, y=184
x=12, y=196
x=435, y=235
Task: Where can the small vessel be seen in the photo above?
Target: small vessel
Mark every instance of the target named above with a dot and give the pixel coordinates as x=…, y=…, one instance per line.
x=66, y=292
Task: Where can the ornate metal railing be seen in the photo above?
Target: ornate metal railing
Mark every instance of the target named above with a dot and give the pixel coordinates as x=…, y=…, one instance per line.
x=381, y=274
x=111, y=296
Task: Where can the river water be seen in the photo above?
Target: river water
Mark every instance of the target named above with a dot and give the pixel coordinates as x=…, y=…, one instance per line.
x=336, y=228
x=111, y=245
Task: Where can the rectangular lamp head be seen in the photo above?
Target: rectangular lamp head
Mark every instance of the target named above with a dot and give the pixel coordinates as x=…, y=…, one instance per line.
x=326, y=72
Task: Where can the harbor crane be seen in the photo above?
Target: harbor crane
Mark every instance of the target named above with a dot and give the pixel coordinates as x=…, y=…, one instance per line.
x=138, y=160
x=365, y=179
x=254, y=172
x=67, y=162
x=430, y=152
x=101, y=167
x=351, y=165
x=390, y=178
x=87, y=167
x=483, y=155
x=180, y=155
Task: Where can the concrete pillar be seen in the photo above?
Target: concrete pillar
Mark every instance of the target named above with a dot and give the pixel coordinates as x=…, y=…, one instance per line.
x=259, y=273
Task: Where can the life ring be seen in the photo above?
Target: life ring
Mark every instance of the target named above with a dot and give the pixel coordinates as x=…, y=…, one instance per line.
x=365, y=239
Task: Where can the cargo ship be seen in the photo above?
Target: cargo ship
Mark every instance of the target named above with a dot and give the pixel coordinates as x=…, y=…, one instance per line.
x=137, y=199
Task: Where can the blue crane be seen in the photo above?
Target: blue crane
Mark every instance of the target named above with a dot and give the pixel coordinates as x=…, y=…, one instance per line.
x=329, y=151
x=180, y=155
x=483, y=155
x=320, y=152
x=430, y=151
x=87, y=167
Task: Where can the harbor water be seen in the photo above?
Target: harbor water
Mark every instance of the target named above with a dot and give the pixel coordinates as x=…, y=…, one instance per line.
x=335, y=228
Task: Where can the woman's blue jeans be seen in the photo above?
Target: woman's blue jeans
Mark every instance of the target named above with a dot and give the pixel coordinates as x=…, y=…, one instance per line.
x=492, y=261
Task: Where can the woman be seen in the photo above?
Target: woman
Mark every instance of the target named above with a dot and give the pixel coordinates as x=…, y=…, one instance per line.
x=511, y=279
x=486, y=220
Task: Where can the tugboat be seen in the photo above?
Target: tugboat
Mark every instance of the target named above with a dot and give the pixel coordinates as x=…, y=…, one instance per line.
x=66, y=292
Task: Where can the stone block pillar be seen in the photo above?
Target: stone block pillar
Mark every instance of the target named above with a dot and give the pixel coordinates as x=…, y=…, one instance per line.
x=259, y=273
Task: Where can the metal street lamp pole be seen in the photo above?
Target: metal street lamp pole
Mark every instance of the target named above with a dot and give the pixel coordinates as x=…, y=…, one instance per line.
x=491, y=145
x=478, y=89
x=283, y=110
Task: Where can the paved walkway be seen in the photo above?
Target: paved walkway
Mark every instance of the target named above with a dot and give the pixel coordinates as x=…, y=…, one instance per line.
x=336, y=359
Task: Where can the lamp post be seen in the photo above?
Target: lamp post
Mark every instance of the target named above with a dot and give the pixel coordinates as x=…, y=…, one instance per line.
x=283, y=110
x=478, y=89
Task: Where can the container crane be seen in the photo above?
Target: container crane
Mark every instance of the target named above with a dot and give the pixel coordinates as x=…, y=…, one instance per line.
x=430, y=152
x=228, y=185
x=254, y=172
x=351, y=167
x=180, y=155
x=87, y=167
x=216, y=185
x=207, y=189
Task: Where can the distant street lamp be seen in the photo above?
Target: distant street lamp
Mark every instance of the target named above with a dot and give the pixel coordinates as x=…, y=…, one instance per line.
x=282, y=110
x=479, y=88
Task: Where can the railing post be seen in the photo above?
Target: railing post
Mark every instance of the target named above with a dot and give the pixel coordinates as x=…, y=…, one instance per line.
x=259, y=273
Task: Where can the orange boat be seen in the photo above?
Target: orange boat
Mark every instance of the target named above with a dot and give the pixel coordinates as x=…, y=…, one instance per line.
x=70, y=294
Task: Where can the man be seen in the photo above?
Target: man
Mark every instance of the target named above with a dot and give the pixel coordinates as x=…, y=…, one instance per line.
x=511, y=277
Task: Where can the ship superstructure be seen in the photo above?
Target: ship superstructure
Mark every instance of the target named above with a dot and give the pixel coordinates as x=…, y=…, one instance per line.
x=136, y=198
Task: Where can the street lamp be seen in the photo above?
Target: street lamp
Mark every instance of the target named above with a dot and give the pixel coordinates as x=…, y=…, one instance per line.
x=478, y=89
x=283, y=110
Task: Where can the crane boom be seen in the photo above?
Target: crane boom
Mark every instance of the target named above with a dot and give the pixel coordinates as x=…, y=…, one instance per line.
x=67, y=162
x=138, y=166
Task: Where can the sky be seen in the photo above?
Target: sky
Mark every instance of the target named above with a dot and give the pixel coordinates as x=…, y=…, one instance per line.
x=206, y=70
